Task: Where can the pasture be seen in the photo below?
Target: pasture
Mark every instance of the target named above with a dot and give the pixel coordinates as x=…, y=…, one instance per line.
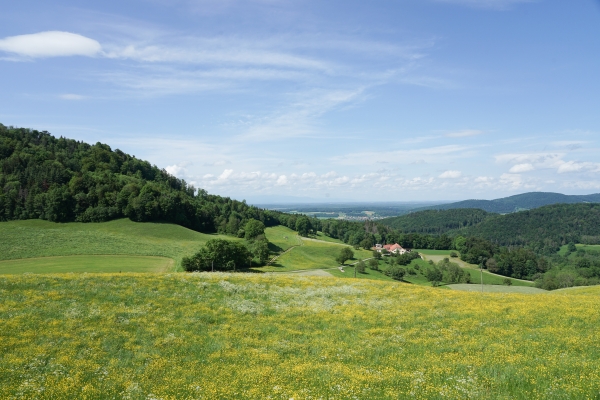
x=246, y=336
x=93, y=263
x=38, y=238
x=310, y=255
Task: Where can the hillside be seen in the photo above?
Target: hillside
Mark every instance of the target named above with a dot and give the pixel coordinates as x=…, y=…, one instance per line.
x=525, y=201
x=63, y=180
x=37, y=238
x=543, y=229
x=248, y=336
x=436, y=222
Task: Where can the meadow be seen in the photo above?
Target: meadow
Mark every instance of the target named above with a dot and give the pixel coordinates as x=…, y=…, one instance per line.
x=38, y=238
x=215, y=336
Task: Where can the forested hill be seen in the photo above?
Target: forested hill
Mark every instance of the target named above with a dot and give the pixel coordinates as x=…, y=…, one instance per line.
x=65, y=180
x=437, y=222
x=543, y=229
x=525, y=201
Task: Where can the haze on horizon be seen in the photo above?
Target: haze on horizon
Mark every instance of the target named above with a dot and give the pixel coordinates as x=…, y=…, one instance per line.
x=408, y=100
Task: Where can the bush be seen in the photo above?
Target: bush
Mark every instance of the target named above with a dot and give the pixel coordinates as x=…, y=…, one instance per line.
x=507, y=281
x=396, y=273
x=374, y=264
x=453, y=254
x=360, y=267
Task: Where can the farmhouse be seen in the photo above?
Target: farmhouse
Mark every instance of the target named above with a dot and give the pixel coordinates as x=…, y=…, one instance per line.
x=392, y=248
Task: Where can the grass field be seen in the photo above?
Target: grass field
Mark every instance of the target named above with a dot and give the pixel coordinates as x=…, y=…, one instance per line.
x=248, y=336
x=38, y=238
x=88, y=263
x=311, y=255
x=281, y=238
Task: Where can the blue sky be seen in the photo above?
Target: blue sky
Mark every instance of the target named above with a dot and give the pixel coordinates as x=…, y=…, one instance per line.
x=391, y=100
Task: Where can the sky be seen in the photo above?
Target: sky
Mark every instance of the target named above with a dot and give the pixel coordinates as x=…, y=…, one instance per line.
x=306, y=100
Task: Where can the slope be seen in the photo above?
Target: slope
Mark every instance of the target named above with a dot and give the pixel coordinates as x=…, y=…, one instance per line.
x=436, y=222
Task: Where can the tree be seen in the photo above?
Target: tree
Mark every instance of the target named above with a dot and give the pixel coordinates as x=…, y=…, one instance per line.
x=571, y=247
x=253, y=229
x=345, y=254
x=396, y=273
x=260, y=249
x=435, y=276
x=303, y=226
x=374, y=264
x=218, y=254
x=360, y=267
x=376, y=255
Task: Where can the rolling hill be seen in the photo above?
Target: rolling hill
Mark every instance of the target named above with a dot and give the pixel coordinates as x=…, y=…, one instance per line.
x=437, y=222
x=519, y=202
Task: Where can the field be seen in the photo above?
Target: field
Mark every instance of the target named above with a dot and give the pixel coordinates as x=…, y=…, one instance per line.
x=212, y=336
x=87, y=264
x=38, y=238
x=311, y=255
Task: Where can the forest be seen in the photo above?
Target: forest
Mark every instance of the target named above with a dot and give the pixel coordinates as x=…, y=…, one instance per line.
x=64, y=180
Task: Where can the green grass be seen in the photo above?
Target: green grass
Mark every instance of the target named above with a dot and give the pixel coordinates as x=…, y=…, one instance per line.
x=281, y=238
x=311, y=255
x=90, y=264
x=254, y=336
x=38, y=238
x=593, y=247
x=435, y=252
x=325, y=238
x=369, y=274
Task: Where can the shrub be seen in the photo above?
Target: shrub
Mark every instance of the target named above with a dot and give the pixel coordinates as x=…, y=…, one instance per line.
x=453, y=254
x=507, y=281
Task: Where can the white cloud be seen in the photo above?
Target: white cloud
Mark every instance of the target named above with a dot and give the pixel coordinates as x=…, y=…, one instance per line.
x=464, y=133
x=573, y=166
x=451, y=175
x=225, y=175
x=520, y=168
x=174, y=170
x=50, y=44
x=282, y=180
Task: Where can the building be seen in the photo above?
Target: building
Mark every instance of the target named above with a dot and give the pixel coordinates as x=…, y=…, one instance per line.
x=391, y=248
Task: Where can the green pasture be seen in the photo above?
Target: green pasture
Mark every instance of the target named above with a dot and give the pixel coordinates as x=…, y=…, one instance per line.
x=39, y=238
x=281, y=238
x=427, y=252
x=325, y=238
x=311, y=255
x=594, y=247
x=88, y=263
x=368, y=274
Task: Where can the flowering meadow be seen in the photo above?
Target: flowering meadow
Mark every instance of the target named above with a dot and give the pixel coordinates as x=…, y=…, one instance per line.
x=255, y=336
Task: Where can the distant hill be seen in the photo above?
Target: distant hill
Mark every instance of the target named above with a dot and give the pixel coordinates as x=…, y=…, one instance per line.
x=519, y=202
x=543, y=229
x=437, y=222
